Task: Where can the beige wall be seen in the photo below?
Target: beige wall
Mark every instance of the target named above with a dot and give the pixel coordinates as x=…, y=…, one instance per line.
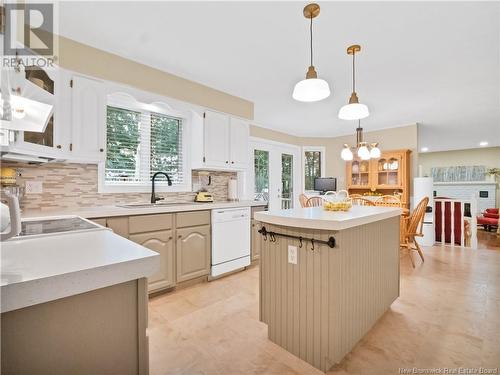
x=273, y=135
x=404, y=137
x=84, y=59
x=489, y=157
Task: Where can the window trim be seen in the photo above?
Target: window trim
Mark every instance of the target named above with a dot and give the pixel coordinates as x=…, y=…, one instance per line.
x=322, y=150
x=136, y=100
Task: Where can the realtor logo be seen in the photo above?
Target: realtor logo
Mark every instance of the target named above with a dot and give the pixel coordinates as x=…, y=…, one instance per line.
x=28, y=29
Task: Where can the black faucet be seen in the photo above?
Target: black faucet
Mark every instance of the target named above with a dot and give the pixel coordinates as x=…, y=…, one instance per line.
x=154, y=198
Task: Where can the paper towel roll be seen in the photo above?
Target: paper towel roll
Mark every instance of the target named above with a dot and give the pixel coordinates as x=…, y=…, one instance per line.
x=232, y=190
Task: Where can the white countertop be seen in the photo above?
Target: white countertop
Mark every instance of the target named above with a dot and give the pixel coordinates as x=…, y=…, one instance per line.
x=109, y=211
x=44, y=268
x=318, y=218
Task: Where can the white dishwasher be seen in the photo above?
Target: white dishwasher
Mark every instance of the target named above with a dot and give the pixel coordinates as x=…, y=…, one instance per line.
x=230, y=239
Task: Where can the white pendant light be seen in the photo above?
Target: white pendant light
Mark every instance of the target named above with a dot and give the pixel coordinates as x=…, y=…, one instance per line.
x=354, y=110
x=311, y=89
x=346, y=153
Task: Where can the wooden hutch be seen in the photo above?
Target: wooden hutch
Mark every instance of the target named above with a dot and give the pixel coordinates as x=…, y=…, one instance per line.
x=389, y=174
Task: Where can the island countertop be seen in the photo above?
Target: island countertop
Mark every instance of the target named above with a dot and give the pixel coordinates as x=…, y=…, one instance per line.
x=318, y=218
x=44, y=268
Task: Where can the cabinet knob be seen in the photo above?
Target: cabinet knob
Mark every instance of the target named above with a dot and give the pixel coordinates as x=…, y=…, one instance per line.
x=227, y=161
x=232, y=162
x=170, y=237
x=59, y=146
x=101, y=150
x=179, y=236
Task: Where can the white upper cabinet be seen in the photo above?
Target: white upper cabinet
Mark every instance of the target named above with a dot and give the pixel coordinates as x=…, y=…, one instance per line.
x=88, y=119
x=53, y=143
x=225, y=142
x=216, y=134
x=239, y=132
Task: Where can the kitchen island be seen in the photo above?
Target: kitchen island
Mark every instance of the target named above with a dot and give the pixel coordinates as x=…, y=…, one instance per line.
x=320, y=297
x=74, y=303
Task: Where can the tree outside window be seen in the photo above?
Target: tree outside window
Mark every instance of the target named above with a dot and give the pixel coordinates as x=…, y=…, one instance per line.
x=312, y=168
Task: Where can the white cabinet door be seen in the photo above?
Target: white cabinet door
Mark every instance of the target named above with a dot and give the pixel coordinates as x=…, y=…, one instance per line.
x=89, y=119
x=216, y=139
x=239, y=143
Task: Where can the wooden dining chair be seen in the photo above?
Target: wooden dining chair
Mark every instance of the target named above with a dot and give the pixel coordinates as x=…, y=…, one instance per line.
x=303, y=200
x=360, y=201
x=411, y=228
x=314, y=202
x=388, y=200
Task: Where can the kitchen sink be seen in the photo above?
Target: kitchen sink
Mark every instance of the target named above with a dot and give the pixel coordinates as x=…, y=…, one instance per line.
x=149, y=205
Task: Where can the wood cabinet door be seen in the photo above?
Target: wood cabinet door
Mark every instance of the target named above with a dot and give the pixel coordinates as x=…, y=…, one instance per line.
x=239, y=135
x=193, y=252
x=256, y=244
x=216, y=139
x=89, y=119
x=161, y=242
x=119, y=225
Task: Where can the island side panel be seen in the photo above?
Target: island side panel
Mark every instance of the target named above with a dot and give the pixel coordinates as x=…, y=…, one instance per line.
x=98, y=332
x=321, y=307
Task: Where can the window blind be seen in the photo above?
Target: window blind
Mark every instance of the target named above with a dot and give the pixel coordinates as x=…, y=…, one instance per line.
x=141, y=143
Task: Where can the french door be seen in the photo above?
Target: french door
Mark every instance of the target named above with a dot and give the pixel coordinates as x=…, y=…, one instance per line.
x=276, y=173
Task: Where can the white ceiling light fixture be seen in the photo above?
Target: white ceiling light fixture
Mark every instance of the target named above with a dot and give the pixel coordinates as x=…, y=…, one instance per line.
x=424, y=149
x=354, y=110
x=311, y=89
x=363, y=150
x=483, y=144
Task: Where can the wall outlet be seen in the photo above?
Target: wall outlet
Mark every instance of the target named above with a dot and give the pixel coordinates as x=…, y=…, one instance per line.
x=292, y=254
x=33, y=187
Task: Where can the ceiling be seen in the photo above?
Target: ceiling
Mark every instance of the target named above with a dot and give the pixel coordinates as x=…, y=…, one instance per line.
x=437, y=64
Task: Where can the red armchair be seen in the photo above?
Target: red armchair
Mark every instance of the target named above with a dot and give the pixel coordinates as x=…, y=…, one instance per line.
x=489, y=219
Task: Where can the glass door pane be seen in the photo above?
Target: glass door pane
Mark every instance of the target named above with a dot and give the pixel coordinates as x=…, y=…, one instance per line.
x=286, y=181
x=261, y=165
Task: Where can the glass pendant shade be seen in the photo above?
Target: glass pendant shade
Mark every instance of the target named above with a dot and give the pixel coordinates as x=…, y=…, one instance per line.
x=353, y=111
x=311, y=90
x=346, y=153
x=363, y=152
x=375, y=152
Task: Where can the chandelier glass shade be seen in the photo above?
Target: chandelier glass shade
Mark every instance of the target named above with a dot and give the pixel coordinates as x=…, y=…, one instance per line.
x=311, y=89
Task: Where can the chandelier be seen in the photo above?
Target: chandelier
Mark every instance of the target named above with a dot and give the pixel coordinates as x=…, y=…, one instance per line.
x=363, y=150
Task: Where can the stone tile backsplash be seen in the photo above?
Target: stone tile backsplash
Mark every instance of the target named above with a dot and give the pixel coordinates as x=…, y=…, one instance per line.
x=73, y=186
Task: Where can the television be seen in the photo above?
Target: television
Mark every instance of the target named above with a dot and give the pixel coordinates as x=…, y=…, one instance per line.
x=324, y=184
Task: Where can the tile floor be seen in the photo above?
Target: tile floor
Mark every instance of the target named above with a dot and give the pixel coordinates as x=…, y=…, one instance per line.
x=448, y=315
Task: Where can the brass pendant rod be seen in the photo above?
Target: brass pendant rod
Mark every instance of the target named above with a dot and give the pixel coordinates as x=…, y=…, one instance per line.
x=353, y=72
x=311, y=41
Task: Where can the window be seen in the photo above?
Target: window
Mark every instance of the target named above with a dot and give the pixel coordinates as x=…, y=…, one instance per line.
x=286, y=181
x=141, y=141
x=313, y=165
x=261, y=165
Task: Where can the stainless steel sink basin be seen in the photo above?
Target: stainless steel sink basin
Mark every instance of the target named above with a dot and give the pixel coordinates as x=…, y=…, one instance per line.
x=149, y=205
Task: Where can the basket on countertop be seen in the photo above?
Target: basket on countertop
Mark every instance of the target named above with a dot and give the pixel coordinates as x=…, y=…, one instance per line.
x=332, y=204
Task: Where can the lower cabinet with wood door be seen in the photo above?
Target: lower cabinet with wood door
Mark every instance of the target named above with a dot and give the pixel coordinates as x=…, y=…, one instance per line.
x=163, y=243
x=193, y=252
x=183, y=241
x=255, y=242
